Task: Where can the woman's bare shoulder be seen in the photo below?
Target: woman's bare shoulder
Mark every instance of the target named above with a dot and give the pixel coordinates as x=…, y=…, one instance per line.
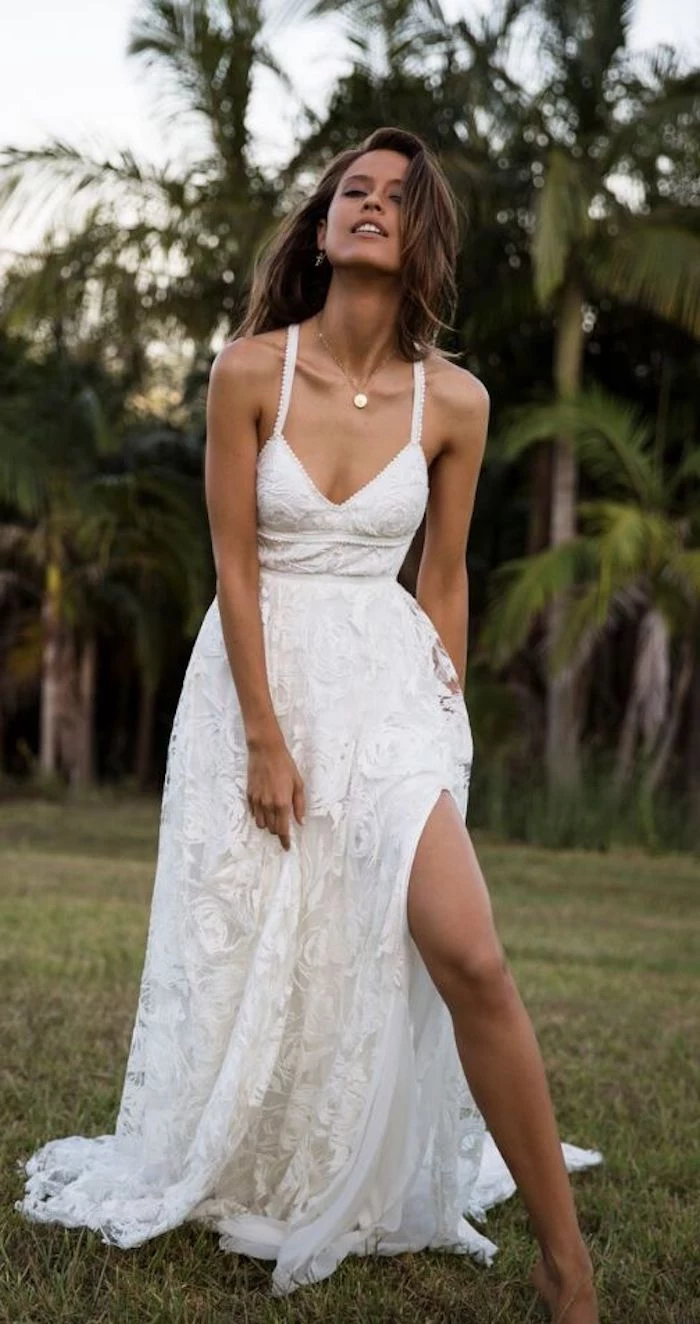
x=456, y=389
x=250, y=359
x=461, y=406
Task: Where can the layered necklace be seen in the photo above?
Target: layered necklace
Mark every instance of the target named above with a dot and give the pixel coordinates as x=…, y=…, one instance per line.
x=360, y=399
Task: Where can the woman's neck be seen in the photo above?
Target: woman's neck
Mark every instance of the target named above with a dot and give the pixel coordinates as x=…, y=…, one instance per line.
x=359, y=321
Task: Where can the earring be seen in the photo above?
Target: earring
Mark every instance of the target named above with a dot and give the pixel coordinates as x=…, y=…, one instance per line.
x=320, y=256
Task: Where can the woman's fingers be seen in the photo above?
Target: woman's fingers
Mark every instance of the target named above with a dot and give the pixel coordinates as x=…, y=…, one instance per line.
x=298, y=801
x=283, y=829
x=276, y=820
x=275, y=791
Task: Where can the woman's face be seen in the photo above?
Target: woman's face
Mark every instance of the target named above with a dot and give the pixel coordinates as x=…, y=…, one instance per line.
x=368, y=195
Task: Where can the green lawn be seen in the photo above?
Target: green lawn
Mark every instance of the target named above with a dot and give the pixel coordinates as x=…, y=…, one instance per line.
x=606, y=950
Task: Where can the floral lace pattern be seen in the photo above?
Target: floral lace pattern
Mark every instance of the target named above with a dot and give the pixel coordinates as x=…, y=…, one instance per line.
x=293, y=1079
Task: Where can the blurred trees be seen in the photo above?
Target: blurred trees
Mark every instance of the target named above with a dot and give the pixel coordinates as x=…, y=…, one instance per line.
x=576, y=167
x=634, y=566
x=96, y=519
x=592, y=166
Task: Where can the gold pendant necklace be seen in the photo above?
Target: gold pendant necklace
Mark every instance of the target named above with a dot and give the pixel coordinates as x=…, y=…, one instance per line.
x=360, y=398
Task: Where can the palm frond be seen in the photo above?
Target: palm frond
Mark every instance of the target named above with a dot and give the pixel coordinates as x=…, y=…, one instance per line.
x=687, y=470
x=674, y=101
x=583, y=620
x=178, y=39
x=652, y=266
x=41, y=181
x=611, y=439
x=205, y=55
x=524, y=588
x=684, y=569
x=23, y=476
x=370, y=13
x=632, y=544
x=495, y=310
x=587, y=36
x=92, y=410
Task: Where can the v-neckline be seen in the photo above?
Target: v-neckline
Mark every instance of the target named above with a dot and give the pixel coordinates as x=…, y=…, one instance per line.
x=288, y=373
x=340, y=505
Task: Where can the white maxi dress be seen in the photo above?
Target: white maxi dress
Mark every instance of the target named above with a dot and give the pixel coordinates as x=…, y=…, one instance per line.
x=293, y=1080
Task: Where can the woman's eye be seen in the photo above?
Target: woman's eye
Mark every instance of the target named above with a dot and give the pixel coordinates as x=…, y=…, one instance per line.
x=350, y=192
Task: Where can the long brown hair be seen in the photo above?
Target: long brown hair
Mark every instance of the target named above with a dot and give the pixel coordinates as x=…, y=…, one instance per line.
x=288, y=286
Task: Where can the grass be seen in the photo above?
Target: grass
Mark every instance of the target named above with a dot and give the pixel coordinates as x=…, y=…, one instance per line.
x=605, y=950
x=517, y=806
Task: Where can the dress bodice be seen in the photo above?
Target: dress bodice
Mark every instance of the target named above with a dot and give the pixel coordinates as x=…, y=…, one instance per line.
x=302, y=531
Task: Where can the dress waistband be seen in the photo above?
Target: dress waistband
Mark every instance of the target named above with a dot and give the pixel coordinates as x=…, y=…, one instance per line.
x=313, y=576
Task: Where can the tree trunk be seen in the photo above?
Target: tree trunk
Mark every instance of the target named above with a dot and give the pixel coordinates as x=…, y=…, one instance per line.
x=563, y=721
x=539, y=498
x=672, y=724
x=85, y=753
x=624, y=761
x=50, y=671
x=648, y=699
x=144, y=737
x=693, y=756
x=68, y=723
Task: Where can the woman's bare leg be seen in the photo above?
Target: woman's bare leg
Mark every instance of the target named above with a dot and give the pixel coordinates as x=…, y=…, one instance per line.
x=451, y=922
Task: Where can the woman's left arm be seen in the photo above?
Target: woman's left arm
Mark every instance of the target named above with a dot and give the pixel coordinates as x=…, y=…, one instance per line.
x=442, y=588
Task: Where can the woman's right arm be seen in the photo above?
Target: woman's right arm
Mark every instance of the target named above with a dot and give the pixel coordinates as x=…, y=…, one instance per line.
x=230, y=481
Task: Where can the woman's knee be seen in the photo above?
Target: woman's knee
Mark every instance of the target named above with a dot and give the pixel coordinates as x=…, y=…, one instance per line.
x=479, y=975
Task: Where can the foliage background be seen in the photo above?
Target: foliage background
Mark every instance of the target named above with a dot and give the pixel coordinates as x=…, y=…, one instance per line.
x=575, y=162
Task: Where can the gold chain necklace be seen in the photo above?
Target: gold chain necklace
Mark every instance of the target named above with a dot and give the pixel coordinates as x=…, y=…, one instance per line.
x=360, y=398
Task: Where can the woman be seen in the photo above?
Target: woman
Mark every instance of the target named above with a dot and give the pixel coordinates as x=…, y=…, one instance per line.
x=322, y=968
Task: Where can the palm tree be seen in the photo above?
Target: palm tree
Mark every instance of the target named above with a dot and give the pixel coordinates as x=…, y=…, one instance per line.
x=82, y=528
x=636, y=555
x=610, y=215
x=596, y=117
x=160, y=572
x=198, y=220
x=412, y=67
x=204, y=55
x=96, y=549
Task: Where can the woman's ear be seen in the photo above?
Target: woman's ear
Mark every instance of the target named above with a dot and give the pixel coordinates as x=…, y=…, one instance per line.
x=321, y=233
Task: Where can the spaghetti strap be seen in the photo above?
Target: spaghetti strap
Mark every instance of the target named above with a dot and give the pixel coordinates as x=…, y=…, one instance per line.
x=418, y=400
x=290, y=355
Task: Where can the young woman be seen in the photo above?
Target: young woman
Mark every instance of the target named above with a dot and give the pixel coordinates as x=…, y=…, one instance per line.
x=322, y=975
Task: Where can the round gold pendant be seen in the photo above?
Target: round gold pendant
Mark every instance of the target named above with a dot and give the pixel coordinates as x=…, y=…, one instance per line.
x=360, y=400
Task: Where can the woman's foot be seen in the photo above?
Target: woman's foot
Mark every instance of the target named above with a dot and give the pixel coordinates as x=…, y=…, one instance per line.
x=569, y=1292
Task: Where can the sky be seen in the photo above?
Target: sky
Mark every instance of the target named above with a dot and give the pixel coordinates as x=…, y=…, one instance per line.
x=64, y=74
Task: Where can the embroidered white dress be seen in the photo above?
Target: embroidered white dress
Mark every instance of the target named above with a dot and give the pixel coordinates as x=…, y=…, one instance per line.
x=293, y=1080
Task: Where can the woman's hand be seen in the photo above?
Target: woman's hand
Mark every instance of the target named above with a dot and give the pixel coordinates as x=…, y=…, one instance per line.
x=275, y=786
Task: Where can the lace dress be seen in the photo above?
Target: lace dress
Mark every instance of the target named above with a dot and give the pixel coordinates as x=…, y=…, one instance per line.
x=293, y=1080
